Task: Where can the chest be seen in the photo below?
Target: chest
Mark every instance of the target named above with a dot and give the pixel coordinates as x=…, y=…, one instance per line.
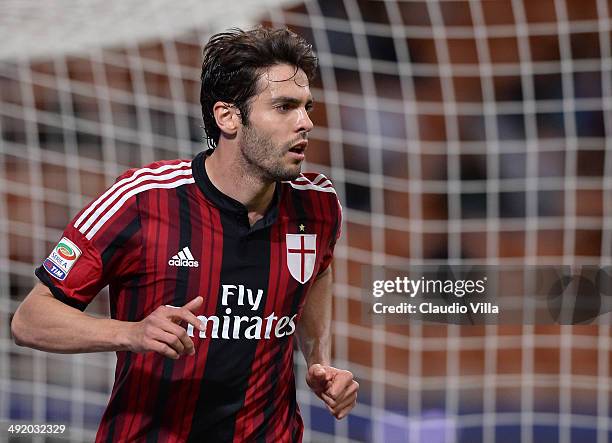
x=235, y=268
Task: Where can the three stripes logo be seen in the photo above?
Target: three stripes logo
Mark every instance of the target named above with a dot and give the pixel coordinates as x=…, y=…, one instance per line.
x=184, y=258
x=100, y=211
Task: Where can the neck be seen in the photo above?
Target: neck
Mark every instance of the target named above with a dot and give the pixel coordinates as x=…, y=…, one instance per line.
x=232, y=177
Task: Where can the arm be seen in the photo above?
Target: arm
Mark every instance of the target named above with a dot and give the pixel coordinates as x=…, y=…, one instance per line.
x=335, y=387
x=314, y=328
x=45, y=323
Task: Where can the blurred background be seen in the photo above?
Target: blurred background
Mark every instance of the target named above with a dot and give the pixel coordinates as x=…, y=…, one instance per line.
x=454, y=132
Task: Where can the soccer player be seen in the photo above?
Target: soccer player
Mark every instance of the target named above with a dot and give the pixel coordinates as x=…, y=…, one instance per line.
x=213, y=265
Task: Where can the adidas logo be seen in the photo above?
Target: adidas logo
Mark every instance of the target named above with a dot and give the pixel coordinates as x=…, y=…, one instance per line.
x=184, y=258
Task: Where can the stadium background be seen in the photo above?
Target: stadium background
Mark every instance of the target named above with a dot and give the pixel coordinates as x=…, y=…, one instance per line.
x=454, y=131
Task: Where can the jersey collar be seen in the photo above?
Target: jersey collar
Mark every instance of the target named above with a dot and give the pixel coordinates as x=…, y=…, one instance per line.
x=227, y=203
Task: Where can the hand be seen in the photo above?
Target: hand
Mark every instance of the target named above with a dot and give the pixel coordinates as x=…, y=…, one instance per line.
x=335, y=387
x=161, y=332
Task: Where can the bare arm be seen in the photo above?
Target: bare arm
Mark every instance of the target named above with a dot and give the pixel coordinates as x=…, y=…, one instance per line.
x=334, y=386
x=45, y=323
x=314, y=327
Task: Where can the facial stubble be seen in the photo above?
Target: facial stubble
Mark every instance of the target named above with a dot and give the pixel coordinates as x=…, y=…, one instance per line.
x=265, y=159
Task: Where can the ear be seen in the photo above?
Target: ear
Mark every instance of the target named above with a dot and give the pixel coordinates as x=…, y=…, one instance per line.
x=227, y=117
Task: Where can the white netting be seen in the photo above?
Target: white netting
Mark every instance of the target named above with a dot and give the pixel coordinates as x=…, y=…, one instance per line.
x=454, y=131
x=59, y=27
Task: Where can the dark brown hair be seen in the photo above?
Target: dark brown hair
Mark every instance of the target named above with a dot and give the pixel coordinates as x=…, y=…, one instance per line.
x=233, y=62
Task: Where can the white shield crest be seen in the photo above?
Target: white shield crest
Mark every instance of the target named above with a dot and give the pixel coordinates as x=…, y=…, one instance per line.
x=301, y=255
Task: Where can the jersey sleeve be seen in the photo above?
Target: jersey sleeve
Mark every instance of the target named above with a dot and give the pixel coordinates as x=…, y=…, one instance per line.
x=329, y=251
x=99, y=246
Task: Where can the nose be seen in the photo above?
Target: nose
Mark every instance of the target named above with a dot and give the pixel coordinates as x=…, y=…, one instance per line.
x=304, y=123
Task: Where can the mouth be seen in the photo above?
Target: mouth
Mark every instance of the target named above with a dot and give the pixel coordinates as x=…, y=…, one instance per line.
x=299, y=149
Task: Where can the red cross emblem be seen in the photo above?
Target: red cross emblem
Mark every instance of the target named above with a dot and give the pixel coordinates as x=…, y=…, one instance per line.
x=301, y=255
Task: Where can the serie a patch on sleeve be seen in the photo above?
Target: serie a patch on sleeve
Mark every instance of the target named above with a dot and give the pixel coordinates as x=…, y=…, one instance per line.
x=62, y=259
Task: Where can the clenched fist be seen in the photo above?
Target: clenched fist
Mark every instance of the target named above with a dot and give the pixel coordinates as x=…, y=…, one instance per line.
x=335, y=387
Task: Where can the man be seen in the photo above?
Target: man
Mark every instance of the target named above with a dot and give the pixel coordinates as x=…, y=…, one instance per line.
x=213, y=264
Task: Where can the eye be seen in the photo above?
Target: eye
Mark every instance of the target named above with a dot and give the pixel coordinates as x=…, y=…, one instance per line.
x=283, y=107
x=309, y=108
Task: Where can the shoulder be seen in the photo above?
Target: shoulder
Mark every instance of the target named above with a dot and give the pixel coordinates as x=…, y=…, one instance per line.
x=312, y=181
x=166, y=169
x=122, y=195
x=317, y=189
x=164, y=174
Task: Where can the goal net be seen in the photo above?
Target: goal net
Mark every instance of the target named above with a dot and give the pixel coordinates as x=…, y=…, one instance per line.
x=454, y=132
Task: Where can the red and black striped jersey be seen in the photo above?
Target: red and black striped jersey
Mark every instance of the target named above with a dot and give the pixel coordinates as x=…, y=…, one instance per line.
x=162, y=235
